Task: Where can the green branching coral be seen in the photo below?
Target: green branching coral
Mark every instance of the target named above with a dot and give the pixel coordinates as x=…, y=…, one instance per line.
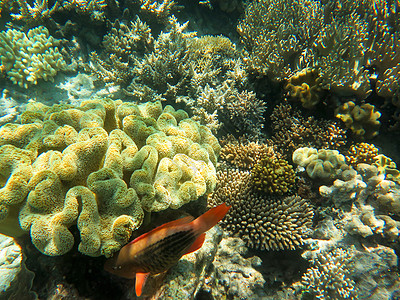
x=26, y=58
x=273, y=176
x=98, y=166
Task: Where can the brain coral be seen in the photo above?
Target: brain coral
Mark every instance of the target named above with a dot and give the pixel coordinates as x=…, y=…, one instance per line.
x=28, y=57
x=98, y=166
x=262, y=222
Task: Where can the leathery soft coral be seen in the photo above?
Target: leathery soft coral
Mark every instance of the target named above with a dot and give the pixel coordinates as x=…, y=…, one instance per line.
x=98, y=166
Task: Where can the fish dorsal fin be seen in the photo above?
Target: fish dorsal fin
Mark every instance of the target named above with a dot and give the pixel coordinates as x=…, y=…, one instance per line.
x=197, y=244
x=140, y=282
x=180, y=221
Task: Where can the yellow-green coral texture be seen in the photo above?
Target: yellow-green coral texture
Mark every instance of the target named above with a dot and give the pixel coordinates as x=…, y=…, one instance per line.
x=26, y=58
x=273, y=176
x=99, y=166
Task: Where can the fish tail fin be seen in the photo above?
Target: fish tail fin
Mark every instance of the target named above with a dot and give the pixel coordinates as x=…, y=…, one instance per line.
x=210, y=218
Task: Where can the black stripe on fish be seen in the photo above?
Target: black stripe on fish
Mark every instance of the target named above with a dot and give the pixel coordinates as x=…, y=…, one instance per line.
x=162, y=255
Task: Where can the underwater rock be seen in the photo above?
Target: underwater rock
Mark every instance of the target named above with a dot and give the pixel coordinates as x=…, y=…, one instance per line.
x=16, y=279
x=375, y=273
x=235, y=273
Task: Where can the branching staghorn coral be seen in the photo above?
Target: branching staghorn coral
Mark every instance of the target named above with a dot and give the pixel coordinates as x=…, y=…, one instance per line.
x=383, y=45
x=227, y=109
x=37, y=13
x=278, y=34
x=98, y=166
x=122, y=46
x=92, y=8
x=158, y=10
x=165, y=72
x=26, y=58
x=340, y=56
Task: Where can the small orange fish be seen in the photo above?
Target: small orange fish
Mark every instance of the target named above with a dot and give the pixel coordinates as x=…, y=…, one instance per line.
x=159, y=249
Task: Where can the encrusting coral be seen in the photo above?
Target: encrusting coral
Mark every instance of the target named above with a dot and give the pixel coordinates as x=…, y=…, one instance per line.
x=26, y=58
x=98, y=166
x=361, y=119
x=262, y=222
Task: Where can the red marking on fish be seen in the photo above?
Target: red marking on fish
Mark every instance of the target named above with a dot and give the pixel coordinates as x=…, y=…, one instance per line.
x=159, y=249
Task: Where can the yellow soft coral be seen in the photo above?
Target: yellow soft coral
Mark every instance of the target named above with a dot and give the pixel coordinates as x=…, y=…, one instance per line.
x=362, y=120
x=98, y=166
x=305, y=86
x=323, y=163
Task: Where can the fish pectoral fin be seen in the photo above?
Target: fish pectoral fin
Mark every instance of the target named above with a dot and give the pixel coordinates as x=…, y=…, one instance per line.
x=140, y=282
x=197, y=243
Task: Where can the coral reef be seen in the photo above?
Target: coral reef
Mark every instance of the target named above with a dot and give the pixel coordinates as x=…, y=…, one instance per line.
x=98, y=166
x=277, y=35
x=329, y=276
x=236, y=273
x=273, y=176
x=361, y=119
x=262, y=222
x=305, y=86
x=26, y=58
x=322, y=164
x=244, y=154
x=121, y=45
x=361, y=153
x=290, y=130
